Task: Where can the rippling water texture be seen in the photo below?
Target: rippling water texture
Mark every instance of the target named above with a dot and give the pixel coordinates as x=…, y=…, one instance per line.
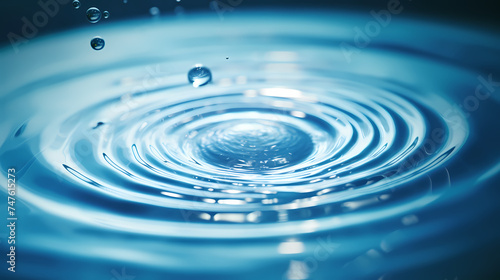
x=299, y=160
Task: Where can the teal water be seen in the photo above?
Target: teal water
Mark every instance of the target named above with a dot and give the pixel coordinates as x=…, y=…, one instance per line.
x=308, y=153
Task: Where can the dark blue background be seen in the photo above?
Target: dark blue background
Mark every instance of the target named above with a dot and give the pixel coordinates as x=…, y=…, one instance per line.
x=485, y=13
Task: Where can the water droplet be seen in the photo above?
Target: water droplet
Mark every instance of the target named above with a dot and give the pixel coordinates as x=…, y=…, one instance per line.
x=76, y=4
x=97, y=43
x=93, y=14
x=98, y=125
x=199, y=75
x=20, y=130
x=154, y=11
x=105, y=14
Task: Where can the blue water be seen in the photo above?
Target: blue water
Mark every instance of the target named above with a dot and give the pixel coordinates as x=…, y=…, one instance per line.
x=300, y=158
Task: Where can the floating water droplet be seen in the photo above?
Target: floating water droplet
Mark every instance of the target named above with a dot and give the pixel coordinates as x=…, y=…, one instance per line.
x=199, y=75
x=98, y=125
x=105, y=14
x=76, y=4
x=97, y=43
x=154, y=11
x=93, y=14
x=20, y=130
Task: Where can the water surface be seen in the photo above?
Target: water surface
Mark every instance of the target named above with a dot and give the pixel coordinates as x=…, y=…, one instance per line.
x=298, y=159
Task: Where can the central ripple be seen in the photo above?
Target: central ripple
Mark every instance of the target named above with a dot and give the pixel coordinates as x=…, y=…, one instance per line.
x=253, y=145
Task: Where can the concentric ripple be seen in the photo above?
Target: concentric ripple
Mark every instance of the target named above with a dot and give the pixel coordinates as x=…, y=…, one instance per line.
x=252, y=144
x=246, y=153
x=280, y=139
x=289, y=138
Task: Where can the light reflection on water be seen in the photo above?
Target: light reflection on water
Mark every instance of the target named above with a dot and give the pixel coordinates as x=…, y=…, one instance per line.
x=295, y=162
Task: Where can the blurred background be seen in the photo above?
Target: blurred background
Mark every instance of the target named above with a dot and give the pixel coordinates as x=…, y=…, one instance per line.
x=481, y=13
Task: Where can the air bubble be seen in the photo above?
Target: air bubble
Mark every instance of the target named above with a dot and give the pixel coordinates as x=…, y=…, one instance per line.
x=105, y=14
x=199, y=75
x=154, y=11
x=93, y=14
x=76, y=4
x=97, y=43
